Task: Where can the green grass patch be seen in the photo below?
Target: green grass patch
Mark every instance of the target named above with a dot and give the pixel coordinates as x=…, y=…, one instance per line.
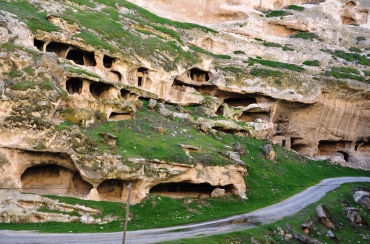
x=239, y=52
x=201, y=50
x=80, y=71
x=230, y=69
x=295, y=7
x=272, y=44
x=345, y=73
x=355, y=50
x=27, y=12
x=287, y=48
x=306, y=35
x=312, y=63
x=277, y=13
x=23, y=86
x=265, y=72
x=350, y=57
x=276, y=64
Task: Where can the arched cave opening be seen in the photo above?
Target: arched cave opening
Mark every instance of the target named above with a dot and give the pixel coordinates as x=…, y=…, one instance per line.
x=108, y=61
x=74, y=85
x=111, y=190
x=59, y=48
x=250, y=117
x=80, y=187
x=345, y=155
x=81, y=58
x=39, y=44
x=76, y=56
x=119, y=116
x=184, y=189
x=240, y=101
x=125, y=93
x=100, y=90
x=363, y=147
x=199, y=75
x=114, y=75
x=220, y=110
x=348, y=20
x=141, y=74
x=47, y=179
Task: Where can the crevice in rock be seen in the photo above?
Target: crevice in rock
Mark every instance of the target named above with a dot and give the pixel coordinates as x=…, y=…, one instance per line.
x=74, y=85
x=128, y=95
x=80, y=187
x=240, y=101
x=111, y=189
x=282, y=30
x=185, y=189
x=100, y=90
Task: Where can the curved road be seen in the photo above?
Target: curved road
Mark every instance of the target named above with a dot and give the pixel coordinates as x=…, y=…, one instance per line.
x=265, y=215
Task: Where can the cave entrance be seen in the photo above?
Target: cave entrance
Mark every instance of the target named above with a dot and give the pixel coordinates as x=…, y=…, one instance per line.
x=250, y=116
x=108, y=61
x=345, y=155
x=39, y=44
x=199, y=75
x=332, y=147
x=74, y=85
x=111, y=190
x=47, y=179
x=141, y=74
x=100, y=90
x=82, y=58
x=185, y=189
x=59, y=48
x=80, y=187
x=243, y=102
x=119, y=116
x=220, y=110
x=363, y=147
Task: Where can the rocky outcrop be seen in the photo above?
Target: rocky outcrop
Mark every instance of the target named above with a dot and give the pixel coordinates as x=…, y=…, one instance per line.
x=325, y=216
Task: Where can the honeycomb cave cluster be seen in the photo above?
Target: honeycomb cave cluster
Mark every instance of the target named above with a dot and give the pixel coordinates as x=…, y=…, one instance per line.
x=88, y=85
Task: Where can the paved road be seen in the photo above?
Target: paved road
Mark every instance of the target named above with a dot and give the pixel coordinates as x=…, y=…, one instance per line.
x=266, y=215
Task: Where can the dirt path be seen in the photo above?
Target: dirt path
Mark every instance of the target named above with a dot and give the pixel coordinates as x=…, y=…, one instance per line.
x=266, y=215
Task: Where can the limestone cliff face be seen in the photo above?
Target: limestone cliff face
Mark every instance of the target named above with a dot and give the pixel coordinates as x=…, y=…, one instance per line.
x=253, y=69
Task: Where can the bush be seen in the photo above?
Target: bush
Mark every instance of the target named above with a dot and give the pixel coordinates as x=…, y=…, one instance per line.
x=276, y=64
x=306, y=36
x=311, y=63
x=265, y=72
x=295, y=7
x=277, y=13
x=239, y=52
x=355, y=49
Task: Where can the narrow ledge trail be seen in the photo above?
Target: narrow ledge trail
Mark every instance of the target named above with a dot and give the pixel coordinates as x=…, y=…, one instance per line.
x=239, y=222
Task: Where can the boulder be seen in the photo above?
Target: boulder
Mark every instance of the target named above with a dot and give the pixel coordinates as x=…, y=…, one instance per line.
x=235, y=157
x=218, y=192
x=353, y=214
x=305, y=227
x=325, y=216
x=268, y=150
x=304, y=239
x=159, y=129
x=362, y=198
x=152, y=103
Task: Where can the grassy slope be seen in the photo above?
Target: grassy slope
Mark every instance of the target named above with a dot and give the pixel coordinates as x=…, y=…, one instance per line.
x=268, y=182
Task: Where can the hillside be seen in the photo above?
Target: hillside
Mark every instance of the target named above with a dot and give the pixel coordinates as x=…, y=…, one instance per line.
x=99, y=94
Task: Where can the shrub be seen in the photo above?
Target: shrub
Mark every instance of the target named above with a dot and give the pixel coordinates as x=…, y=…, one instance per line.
x=276, y=64
x=355, y=49
x=295, y=7
x=345, y=73
x=271, y=44
x=277, y=13
x=311, y=63
x=265, y=72
x=24, y=86
x=239, y=52
x=306, y=36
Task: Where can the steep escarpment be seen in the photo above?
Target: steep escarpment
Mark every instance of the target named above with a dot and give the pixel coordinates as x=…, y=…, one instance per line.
x=297, y=76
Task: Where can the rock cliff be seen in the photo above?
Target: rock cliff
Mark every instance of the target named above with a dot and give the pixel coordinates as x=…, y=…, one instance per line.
x=296, y=75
